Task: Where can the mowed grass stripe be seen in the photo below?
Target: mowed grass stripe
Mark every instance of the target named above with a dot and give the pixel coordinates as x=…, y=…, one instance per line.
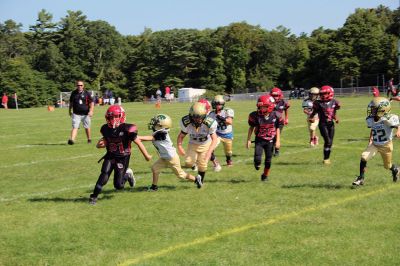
x=270, y=221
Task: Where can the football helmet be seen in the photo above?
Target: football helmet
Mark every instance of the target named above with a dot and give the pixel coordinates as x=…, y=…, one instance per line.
x=313, y=93
x=326, y=93
x=265, y=101
x=218, y=101
x=276, y=93
x=378, y=107
x=115, y=116
x=160, y=121
x=206, y=104
x=197, y=113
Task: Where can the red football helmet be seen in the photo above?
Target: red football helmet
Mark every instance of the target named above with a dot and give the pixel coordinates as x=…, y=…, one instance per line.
x=206, y=104
x=326, y=93
x=115, y=116
x=265, y=101
x=276, y=93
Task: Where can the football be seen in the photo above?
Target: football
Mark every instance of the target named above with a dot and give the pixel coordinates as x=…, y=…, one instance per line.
x=101, y=143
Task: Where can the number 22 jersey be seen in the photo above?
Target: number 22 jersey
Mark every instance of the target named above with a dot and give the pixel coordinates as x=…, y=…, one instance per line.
x=382, y=130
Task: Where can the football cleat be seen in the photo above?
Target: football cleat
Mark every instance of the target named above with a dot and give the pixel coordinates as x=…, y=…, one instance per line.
x=89, y=141
x=70, y=142
x=264, y=178
x=153, y=188
x=229, y=163
x=217, y=167
x=130, y=177
x=395, y=174
x=198, y=181
x=276, y=153
x=315, y=140
x=326, y=162
x=92, y=200
x=194, y=167
x=358, y=182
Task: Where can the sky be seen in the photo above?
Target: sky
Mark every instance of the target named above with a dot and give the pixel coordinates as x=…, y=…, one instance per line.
x=131, y=17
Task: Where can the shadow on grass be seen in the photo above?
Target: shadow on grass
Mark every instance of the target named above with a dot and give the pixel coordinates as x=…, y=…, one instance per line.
x=230, y=181
x=49, y=144
x=325, y=186
x=296, y=163
x=63, y=200
x=355, y=140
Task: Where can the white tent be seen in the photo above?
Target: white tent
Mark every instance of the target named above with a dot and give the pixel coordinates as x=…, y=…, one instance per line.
x=189, y=94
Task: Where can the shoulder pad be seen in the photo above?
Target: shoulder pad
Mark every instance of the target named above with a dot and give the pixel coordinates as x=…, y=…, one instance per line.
x=208, y=121
x=131, y=128
x=229, y=112
x=186, y=120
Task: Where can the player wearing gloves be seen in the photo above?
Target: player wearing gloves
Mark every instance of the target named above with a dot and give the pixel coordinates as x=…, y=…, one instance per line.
x=161, y=124
x=381, y=123
x=202, y=138
x=224, y=117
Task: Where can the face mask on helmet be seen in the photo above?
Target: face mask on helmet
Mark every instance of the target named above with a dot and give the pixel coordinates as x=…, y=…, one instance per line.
x=218, y=103
x=197, y=114
x=326, y=93
x=378, y=107
x=276, y=93
x=115, y=116
x=265, y=104
x=159, y=122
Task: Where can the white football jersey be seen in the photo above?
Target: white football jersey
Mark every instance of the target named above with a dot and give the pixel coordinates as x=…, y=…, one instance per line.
x=382, y=130
x=200, y=135
x=163, y=144
x=308, y=104
x=222, y=127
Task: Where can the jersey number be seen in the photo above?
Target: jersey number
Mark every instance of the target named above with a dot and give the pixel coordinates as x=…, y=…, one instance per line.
x=379, y=135
x=117, y=146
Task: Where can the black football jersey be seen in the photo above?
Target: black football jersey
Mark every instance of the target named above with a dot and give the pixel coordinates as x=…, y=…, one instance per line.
x=326, y=110
x=119, y=139
x=265, y=126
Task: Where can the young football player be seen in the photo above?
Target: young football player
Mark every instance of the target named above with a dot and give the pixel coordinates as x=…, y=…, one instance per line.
x=117, y=138
x=326, y=107
x=161, y=124
x=307, y=109
x=265, y=123
x=202, y=138
x=281, y=106
x=224, y=117
x=381, y=123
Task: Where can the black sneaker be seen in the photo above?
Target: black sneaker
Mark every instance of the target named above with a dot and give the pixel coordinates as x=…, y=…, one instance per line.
x=359, y=181
x=70, y=142
x=264, y=178
x=89, y=141
x=130, y=177
x=153, y=188
x=276, y=154
x=198, y=181
x=92, y=200
x=395, y=174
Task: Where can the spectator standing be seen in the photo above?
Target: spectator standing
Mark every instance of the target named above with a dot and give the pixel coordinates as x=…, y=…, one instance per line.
x=4, y=100
x=81, y=110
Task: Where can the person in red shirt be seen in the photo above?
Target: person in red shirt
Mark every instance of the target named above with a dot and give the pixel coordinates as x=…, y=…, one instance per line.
x=4, y=100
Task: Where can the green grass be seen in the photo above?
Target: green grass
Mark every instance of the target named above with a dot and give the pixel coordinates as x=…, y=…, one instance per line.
x=307, y=214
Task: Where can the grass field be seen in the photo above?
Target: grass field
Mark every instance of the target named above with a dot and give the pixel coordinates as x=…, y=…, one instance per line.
x=307, y=214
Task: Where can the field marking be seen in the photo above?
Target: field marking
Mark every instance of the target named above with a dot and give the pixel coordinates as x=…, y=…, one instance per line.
x=240, y=229
x=47, y=161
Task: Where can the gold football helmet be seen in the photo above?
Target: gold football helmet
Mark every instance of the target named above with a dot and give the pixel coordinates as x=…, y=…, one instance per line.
x=160, y=121
x=313, y=93
x=378, y=107
x=197, y=113
x=218, y=100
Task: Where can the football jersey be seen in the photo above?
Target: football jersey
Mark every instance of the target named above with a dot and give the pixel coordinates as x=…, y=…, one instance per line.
x=326, y=110
x=265, y=126
x=199, y=135
x=163, y=144
x=118, y=140
x=223, y=130
x=382, y=130
x=282, y=105
x=308, y=105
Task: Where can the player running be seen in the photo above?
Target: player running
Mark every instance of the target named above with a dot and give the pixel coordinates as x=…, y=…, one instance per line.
x=117, y=138
x=307, y=105
x=381, y=123
x=281, y=106
x=265, y=122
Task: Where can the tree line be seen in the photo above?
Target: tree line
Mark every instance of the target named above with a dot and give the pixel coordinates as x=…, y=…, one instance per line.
x=48, y=58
